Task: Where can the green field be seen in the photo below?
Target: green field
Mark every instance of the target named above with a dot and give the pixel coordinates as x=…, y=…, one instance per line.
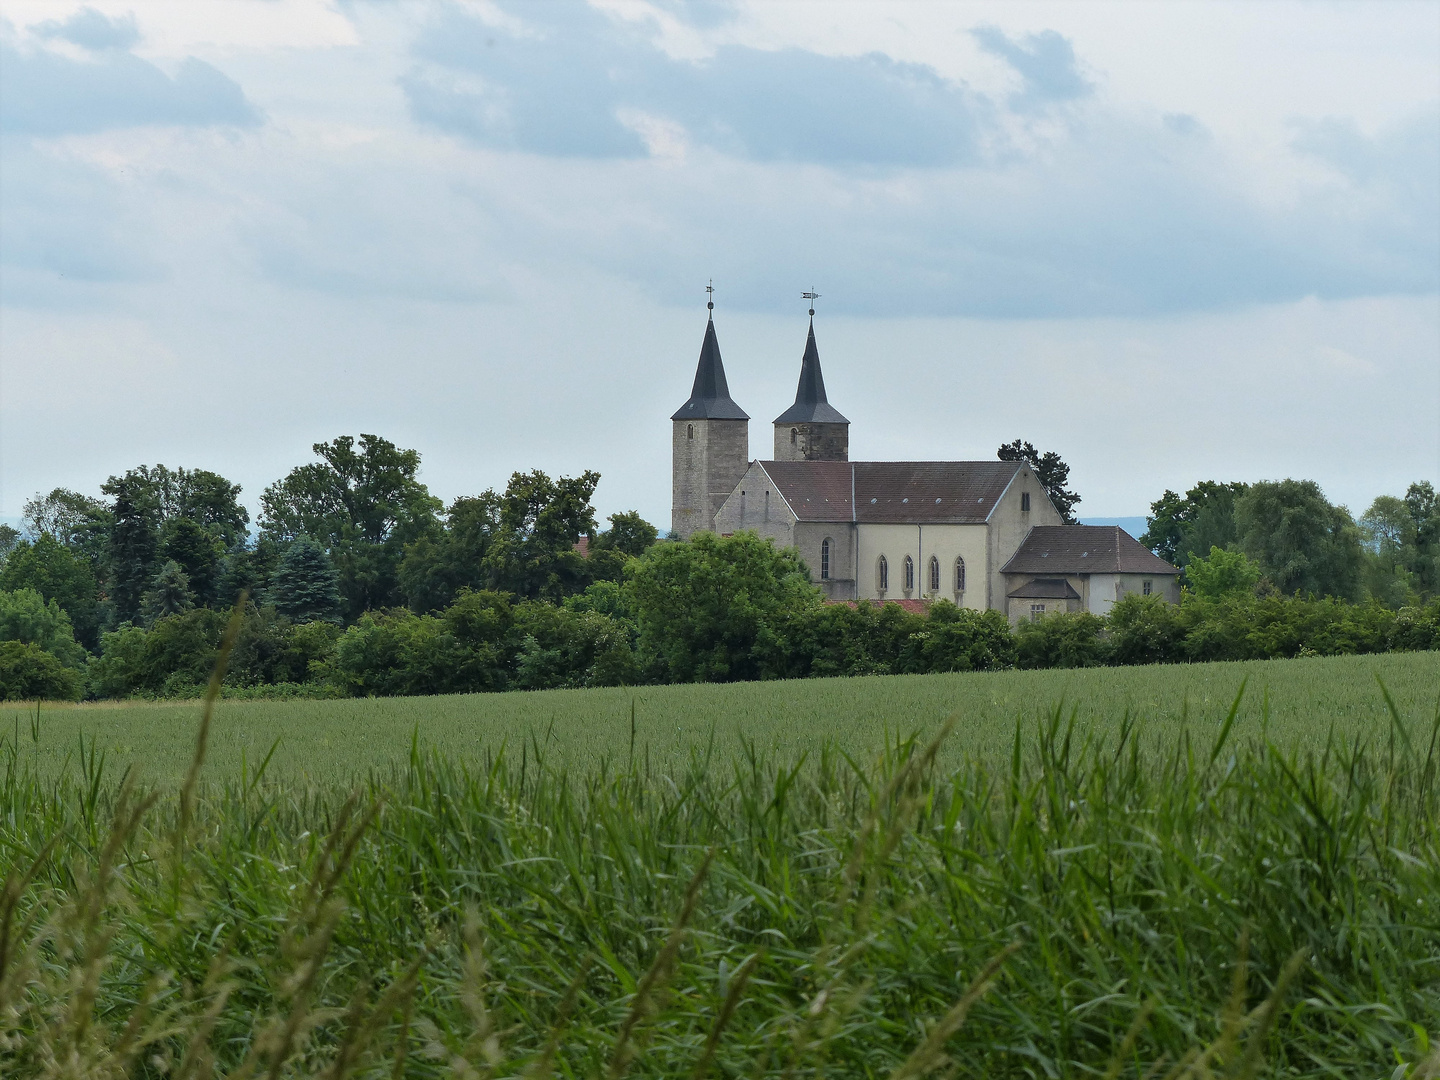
x=339, y=740
x=1165, y=894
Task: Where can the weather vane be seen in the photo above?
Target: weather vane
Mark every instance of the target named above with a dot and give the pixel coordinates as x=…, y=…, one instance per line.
x=812, y=296
x=710, y=291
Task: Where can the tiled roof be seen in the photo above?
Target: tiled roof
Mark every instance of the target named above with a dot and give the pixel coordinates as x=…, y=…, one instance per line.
x=1045, y=589
x=1084, y=549
x=907, y=492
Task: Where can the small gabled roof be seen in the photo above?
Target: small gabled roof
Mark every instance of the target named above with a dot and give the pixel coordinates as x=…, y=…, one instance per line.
x=911, y=492
x=1084, y=549
x=1044, y=589
x=810, y=406
x=710, y=396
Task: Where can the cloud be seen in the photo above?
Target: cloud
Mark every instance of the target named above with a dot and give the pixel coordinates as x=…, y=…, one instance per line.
x=1046, y=61
x=44, y=93
x=563, y=83
x=90, y=29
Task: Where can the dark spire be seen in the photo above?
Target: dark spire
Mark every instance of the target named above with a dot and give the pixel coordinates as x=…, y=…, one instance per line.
x=710, y=397
x=810, y=404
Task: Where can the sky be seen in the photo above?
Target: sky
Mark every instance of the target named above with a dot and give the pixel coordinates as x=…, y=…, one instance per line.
x=1173, y=242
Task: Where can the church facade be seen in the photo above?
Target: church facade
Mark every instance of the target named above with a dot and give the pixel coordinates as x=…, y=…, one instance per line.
x=881, y=530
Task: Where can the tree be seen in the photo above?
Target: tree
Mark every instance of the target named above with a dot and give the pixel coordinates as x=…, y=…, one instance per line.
x=1222, y=573
x=57, y=574
x=305, y=586
x=1205, y=518
x=1424, y=506
x=437, y=566
x=533, y=551
x=186, y=542
x=27, y=616
x=362, y=503
x=63, y=514
x=1052, y=472
x=169, y=594
x=9, y=541
x=629, y=533
x=134, y=542
x=712, y=609
x=1302, y=542
x=29, y=673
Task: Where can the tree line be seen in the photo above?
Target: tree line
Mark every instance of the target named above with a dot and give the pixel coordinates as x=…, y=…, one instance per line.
x=358, y=581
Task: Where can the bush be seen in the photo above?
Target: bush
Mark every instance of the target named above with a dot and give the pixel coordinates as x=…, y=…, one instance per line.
x=29, y=673
x=959, y=639
x=1061, y=640
x=1415, y=628
x=26, y=616
x=1146, y=630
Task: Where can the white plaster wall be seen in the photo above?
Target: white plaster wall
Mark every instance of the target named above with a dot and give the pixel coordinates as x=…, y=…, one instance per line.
x=944, y=542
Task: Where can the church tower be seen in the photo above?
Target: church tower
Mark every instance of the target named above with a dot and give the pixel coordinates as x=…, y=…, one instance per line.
x=710, y=446
x=811, y=429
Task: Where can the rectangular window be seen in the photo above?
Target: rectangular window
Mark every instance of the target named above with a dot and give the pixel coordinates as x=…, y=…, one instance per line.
x=1145, y=587
x=1036, y=610
x=1024, y=500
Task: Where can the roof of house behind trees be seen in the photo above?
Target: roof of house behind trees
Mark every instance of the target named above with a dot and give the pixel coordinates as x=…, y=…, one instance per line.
x=909, y=492
x=1084, y=549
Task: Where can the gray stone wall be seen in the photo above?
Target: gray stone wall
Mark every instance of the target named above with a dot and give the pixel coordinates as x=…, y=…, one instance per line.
x=755, y=505
x=809, y=536
x=708, y=458
x=812, y=442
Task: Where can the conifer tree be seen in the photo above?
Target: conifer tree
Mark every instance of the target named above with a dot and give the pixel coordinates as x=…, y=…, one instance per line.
x=169, y=594
x=305, y=585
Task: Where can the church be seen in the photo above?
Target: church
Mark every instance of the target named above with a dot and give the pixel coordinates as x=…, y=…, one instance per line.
x=982, y=534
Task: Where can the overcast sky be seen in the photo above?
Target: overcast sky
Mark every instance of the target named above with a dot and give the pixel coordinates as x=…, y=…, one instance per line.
x=1174, y=241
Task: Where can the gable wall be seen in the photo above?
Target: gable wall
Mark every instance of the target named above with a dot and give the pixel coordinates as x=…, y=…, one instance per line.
x=754, y=504
x=1009, y=526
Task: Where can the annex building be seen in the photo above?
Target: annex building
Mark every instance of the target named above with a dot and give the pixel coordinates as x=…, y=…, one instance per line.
x=982, y=534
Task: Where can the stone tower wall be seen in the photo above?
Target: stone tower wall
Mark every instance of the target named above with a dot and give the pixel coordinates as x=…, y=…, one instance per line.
x=704, y=470
x=812, y=442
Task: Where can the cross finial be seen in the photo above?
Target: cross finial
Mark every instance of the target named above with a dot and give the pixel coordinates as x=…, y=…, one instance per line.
x=812, y=296
x=710, y=291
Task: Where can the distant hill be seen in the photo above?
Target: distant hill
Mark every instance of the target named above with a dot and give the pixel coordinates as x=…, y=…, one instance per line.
x=1132, y=525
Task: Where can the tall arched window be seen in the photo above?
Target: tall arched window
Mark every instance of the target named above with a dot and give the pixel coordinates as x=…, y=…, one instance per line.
x=794, y=436
x=909, y=574
x=959, y=574
x=689, y=431
x=934, y=574
x=825, y=559
x=882, y=575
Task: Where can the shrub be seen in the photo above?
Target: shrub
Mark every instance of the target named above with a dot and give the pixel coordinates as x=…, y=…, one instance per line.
x=1146, y=630
x=1061, y=640
x=29, y=673
x=959, y=639
x=26, y=616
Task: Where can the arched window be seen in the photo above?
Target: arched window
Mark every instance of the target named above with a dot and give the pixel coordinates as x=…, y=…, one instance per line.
x=882, y=574
x=934, y=574
x=825, y=559
x=909, y=574
x=959, y=574
x=794, y=436
x=1025, y=501
x=689, y=431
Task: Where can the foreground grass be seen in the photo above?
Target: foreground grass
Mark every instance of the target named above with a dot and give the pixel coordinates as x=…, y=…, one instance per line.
x=335, y=741
x=1125, y=903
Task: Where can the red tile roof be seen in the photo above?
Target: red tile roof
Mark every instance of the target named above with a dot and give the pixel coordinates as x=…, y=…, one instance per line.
x=909, y=492
x=915, y=607
x=1084, y=549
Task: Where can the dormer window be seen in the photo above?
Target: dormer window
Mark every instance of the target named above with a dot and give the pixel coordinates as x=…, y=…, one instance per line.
x=1025, y=502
